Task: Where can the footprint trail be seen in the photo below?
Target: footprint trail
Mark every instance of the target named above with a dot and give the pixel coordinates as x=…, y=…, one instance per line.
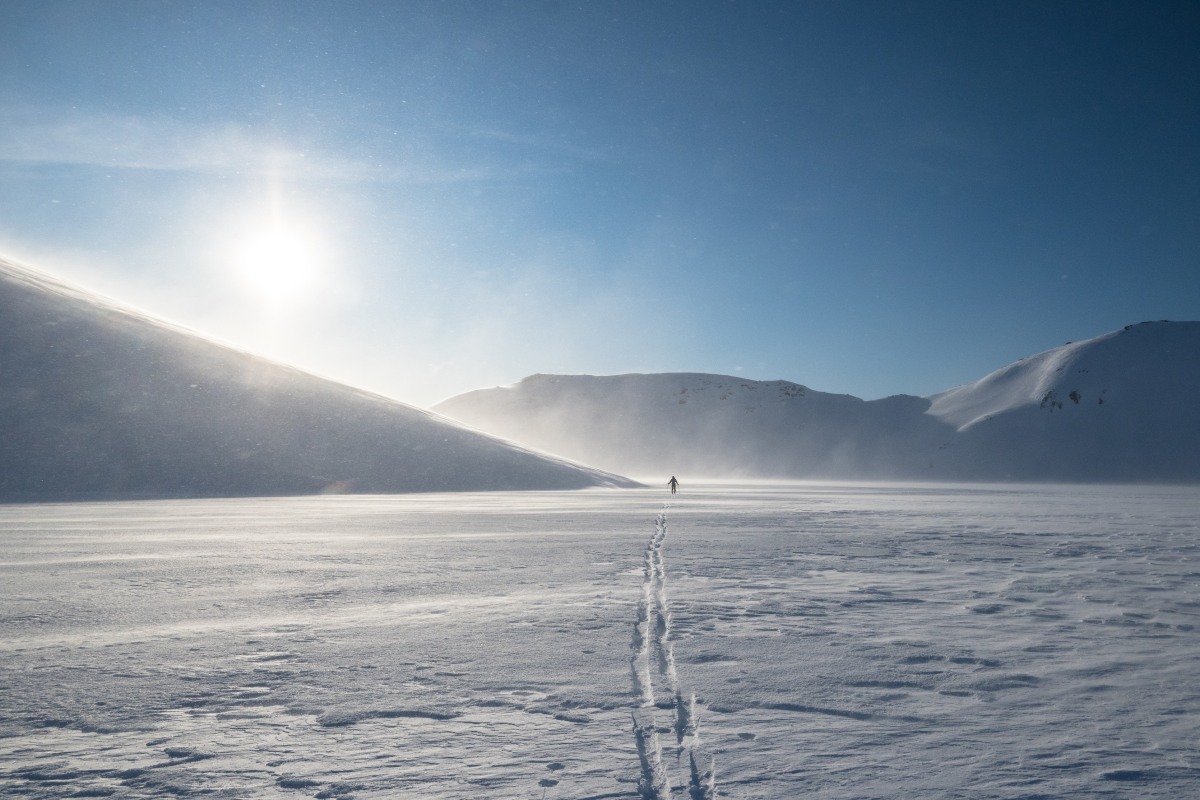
x=652, y=642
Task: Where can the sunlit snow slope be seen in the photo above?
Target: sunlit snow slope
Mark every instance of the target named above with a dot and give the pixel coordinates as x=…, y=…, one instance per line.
x=100, y=401
x=1120, y=407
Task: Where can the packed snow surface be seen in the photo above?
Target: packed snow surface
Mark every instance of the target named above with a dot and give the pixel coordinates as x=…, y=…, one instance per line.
x=780, y=641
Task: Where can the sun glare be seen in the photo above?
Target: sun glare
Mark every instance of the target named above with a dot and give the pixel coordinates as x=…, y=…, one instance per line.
x=278, y=264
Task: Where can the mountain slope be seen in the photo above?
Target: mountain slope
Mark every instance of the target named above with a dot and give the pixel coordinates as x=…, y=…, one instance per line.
x=710, y=425
x=100, y=401
x=1120, y=407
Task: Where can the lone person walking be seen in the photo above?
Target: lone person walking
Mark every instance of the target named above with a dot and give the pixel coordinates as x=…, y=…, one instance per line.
x=673, y=484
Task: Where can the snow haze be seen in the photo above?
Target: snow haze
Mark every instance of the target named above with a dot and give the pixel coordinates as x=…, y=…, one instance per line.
x=1118, y=407
x=103, y=402
x=842, y=642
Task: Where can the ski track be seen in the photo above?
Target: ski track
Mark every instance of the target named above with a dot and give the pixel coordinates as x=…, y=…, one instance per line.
x=652, y=632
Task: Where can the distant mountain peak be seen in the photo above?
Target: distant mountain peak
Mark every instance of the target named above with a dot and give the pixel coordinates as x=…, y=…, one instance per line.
x=1144, y=361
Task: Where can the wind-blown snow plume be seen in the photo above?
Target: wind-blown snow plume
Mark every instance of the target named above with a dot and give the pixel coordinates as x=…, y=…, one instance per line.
x=102, y=401
x=1115, y=408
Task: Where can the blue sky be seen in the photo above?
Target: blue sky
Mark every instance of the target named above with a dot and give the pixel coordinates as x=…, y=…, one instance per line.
x=865, y=197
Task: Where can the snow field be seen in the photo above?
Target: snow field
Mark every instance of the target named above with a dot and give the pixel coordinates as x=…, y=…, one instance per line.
x=866, y=641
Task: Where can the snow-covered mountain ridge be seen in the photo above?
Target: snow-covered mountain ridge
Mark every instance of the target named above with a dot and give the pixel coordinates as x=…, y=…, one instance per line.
x=1152, y=363
x=1118, y=407
x=102, y=401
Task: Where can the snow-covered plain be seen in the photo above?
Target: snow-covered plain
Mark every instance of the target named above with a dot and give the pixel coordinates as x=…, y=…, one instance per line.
x=843, y=641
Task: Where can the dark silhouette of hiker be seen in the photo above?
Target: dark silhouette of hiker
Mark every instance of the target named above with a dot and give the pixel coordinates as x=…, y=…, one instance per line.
x=673, y=484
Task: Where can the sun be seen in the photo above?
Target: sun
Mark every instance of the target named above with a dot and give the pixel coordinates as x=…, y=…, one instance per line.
x=278, y=264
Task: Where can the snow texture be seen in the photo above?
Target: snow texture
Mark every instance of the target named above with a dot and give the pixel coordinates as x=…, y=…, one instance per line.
x=654, y=622
x=842, y=641
x=103, y=402
x=1122, y=407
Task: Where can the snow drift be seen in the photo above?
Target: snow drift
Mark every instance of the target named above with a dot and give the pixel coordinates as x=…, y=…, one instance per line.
x=1120, y=407
x=100, y=401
